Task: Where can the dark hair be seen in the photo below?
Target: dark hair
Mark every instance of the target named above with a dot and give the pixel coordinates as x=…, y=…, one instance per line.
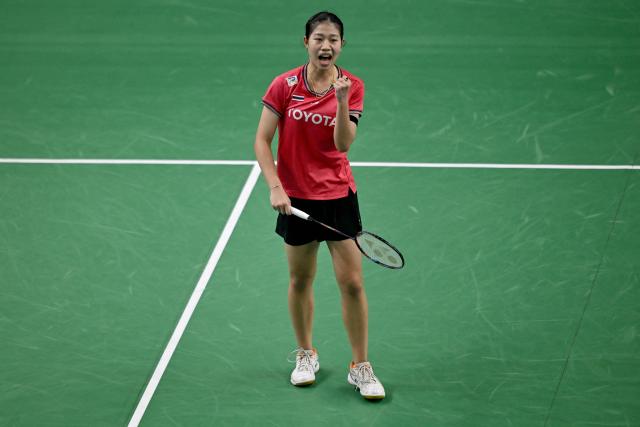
x=319, y=17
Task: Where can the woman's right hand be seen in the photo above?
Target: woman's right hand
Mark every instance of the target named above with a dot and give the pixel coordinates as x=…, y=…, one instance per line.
x=280, y=201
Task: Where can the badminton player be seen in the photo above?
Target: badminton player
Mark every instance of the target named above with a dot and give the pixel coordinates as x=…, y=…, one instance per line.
x=316, y=108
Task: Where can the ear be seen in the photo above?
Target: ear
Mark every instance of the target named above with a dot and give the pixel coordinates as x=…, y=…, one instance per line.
x=305, y=41
x=344, y=42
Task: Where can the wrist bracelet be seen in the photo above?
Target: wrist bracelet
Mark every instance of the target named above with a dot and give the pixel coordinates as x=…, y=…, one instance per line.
x=275, y=186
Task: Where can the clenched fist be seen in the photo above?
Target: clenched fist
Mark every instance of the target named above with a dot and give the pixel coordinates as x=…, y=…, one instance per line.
x=342, y=86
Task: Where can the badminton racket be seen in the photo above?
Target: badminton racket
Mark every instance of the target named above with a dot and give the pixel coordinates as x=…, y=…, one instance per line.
x=371, y=245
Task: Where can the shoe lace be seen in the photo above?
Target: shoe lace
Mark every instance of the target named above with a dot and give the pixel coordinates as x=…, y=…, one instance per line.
x=365, y=374
x=302, y=359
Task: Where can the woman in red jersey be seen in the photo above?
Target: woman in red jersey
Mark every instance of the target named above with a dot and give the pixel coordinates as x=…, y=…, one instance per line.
x=316, y=108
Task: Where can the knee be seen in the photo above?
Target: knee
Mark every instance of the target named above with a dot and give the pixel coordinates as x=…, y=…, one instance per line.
x=300, y=283
x=351, y=285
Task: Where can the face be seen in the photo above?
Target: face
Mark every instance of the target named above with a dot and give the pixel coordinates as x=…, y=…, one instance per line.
x=324, y=45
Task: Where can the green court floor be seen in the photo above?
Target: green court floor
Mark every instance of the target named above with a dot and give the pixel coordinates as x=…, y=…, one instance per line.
x=518, y=305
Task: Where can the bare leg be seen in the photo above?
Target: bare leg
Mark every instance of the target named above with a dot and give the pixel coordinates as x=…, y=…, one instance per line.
x=347, y=264
x=302, y=270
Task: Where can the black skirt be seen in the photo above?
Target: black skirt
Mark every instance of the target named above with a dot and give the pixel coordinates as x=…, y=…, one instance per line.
x=342, y=214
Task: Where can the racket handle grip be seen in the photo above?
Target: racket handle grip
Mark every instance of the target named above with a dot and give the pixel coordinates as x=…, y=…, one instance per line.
x=299, y=213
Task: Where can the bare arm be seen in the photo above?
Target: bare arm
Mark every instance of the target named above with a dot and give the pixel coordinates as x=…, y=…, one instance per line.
x=344, y=132
x=262, y=147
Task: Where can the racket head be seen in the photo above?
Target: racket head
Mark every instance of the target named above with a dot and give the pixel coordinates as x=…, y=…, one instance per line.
x=379, y=250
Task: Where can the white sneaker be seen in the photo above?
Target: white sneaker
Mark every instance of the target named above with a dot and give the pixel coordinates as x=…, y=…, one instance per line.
x=306, y=367
x=362, y=376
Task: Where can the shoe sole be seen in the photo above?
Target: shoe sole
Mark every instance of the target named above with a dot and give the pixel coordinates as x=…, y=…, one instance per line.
x=303, y=384
x=373, y=397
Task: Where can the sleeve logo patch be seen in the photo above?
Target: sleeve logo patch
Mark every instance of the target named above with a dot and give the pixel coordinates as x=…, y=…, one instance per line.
x=292, y=80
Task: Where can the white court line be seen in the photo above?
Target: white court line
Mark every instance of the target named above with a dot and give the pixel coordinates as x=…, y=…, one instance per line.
x=354, y=164
x=492, y=166
x=195, y=296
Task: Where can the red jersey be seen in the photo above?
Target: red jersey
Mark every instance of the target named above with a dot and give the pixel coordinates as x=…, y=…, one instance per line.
x=309, y=164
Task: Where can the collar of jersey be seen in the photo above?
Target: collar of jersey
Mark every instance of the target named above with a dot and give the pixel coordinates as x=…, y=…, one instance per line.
x=308, y=87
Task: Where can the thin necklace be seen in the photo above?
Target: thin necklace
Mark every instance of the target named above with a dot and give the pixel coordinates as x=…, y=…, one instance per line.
x=321, y=94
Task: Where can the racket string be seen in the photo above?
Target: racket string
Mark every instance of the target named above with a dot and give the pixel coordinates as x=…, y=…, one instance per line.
x=379, y=250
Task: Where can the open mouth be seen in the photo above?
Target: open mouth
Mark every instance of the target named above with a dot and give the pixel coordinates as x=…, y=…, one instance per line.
x=325, y=58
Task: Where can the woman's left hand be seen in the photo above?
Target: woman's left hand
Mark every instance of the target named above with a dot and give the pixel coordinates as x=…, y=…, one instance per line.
x=342, y=86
